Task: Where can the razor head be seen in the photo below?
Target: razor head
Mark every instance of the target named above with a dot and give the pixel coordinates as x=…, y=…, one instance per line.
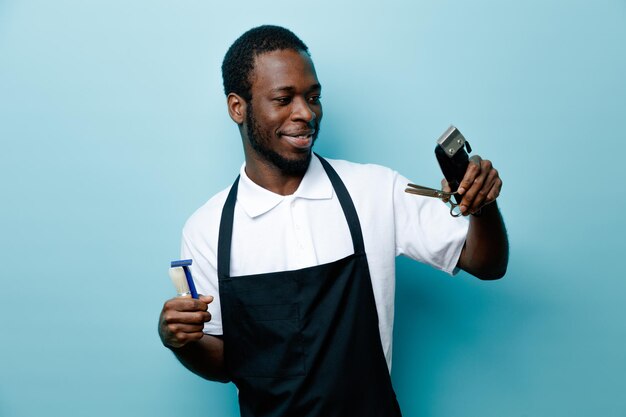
x=182, y=262
x=452, y=141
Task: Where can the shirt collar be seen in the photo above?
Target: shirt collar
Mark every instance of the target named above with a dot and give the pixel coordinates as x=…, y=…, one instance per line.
x=256, y=200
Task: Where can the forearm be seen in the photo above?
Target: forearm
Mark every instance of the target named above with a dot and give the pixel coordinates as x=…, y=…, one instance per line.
x=486, y=251
x=204, y=357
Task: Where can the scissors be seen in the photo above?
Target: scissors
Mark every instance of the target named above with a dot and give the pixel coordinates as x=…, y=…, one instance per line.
x=431, y=192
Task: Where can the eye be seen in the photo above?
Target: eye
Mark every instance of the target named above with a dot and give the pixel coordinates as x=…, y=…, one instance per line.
x=283, y=100
x=315, y=99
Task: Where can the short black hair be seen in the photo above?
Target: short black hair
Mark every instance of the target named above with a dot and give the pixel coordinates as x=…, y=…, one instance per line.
x=238, y=62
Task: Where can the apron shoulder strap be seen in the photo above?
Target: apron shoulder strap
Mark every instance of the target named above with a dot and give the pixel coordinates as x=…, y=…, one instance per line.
x=225, y=236
x=347, y=205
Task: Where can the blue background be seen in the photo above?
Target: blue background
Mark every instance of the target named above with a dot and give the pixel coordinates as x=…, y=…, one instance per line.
x=113, y=130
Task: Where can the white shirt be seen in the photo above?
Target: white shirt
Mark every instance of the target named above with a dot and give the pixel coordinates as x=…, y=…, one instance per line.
x=274, y=233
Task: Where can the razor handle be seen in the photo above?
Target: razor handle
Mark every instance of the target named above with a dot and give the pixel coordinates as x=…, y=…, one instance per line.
x=452, y=157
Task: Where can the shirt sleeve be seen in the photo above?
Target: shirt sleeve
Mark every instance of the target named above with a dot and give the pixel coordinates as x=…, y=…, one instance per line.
x=425, y=230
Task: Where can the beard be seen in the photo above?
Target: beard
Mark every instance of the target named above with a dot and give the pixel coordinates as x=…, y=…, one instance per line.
x=260, y=140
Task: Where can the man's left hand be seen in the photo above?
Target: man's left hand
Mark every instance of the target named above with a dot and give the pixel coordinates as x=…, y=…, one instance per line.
x=480, y=186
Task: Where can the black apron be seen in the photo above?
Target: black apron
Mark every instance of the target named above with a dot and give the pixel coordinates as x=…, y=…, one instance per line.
x=305, y=343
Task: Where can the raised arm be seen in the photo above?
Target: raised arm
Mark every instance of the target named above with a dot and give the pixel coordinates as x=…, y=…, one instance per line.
x=486, y=251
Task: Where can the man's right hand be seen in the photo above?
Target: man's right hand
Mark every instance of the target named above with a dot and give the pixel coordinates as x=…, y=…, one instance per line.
x=182, y=320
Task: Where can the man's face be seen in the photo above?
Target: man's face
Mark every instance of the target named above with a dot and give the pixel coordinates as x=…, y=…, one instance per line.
x=284, y=114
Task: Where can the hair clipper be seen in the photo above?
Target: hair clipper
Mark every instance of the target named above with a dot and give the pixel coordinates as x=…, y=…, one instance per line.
x=453, y=159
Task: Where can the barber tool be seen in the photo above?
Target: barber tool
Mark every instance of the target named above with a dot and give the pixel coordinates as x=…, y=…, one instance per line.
x=453, y=160
x=182, y=279
x=431, y=192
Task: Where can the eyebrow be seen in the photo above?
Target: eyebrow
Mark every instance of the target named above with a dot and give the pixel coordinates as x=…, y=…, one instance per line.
x=288, y=89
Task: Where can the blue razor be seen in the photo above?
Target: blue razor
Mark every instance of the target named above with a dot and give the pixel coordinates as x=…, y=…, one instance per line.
x=185, y=263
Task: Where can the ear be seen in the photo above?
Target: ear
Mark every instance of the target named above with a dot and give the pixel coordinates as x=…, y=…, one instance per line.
x=236, y=108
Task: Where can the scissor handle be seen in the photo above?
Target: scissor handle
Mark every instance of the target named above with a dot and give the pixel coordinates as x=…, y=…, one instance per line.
x=452, y=207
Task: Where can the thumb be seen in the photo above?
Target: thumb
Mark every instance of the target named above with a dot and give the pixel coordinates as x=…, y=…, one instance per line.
x=205, y=298
x=445, y=186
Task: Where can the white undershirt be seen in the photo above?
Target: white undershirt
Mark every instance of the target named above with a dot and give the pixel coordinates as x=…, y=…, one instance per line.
x=274, y=233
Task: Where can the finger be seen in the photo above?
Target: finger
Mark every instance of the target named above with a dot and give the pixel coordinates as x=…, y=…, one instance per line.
x=186, y=304
x=445, y=187
x=190, y=337
x=180, y=339
x=482, y=197
x=488, y=200
x=473, y=170
x=476, y=186
x=185, y=317
x=475, y=159
x=185, y=328
x=494, y=193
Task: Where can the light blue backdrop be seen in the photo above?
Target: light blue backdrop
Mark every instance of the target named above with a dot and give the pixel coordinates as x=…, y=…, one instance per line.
x=113, y=130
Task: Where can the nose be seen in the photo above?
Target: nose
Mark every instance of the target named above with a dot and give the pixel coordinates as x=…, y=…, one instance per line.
x=302, y=111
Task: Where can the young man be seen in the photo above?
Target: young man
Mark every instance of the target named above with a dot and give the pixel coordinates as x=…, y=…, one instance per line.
x=297, y=258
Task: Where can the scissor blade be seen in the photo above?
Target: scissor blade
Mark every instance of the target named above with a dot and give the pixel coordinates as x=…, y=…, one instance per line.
x=422, y=191
x=426, y=191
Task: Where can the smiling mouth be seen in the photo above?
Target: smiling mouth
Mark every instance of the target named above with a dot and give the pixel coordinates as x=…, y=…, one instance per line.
x=300, y=141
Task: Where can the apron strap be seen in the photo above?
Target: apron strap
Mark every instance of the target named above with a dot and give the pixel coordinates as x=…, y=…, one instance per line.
x=347, y=205
x=225, y=236
x=228, y=214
